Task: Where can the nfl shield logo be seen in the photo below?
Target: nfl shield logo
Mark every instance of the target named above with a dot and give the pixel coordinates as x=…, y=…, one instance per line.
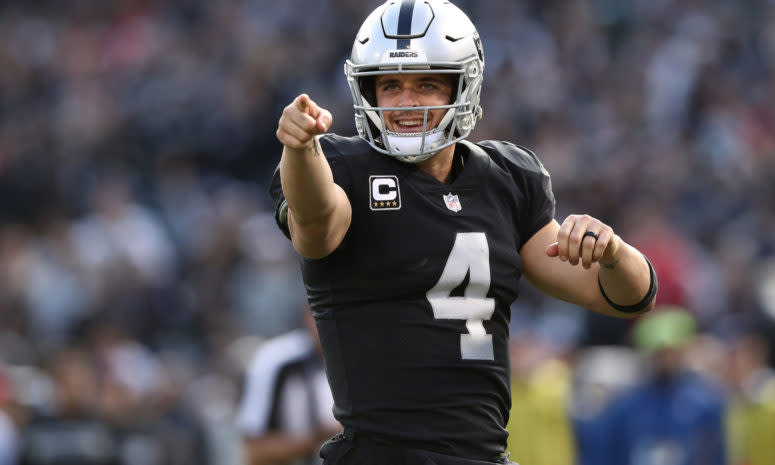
x=453, y=202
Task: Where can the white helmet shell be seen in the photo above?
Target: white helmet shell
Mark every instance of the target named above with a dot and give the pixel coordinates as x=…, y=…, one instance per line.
x=416, y=36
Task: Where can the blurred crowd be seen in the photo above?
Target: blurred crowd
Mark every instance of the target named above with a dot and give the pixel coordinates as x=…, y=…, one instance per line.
x=140, y=266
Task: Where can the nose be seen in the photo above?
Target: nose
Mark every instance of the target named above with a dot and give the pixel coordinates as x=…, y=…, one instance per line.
x=408, y=98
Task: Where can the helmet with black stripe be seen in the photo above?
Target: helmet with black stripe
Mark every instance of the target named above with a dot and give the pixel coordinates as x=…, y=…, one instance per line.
x=416, y=36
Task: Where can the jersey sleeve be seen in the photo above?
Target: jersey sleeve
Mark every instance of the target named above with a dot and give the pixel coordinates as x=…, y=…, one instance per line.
x=331, y=149
x=535, y=185
x=541, y=198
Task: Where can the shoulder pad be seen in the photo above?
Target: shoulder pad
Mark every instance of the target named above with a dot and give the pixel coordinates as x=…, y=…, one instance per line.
x=334, y=145
x=505, y=153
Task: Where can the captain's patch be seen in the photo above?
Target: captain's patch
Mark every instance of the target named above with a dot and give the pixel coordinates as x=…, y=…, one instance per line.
x=384, y=193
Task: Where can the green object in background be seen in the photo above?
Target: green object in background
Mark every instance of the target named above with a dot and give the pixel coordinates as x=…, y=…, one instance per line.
x=663, y=327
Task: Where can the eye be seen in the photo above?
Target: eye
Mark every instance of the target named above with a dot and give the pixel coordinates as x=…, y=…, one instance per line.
x=388, y=87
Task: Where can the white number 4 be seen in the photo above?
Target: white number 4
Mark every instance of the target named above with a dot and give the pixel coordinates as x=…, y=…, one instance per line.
x=470, y=255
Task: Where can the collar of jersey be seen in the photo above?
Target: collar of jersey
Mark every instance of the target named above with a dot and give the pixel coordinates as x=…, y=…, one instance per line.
x=467, y=178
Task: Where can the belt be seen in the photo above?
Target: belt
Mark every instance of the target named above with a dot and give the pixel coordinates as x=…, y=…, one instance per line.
x=374, y=438
x=380, y=440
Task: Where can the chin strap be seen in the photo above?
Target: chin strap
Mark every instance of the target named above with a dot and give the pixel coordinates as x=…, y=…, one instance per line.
x=401, y=144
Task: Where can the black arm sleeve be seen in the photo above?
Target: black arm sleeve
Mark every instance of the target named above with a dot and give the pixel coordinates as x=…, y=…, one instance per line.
x=280, y=205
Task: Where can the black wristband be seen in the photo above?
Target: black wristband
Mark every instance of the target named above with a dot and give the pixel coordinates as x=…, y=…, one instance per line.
x=635, y=308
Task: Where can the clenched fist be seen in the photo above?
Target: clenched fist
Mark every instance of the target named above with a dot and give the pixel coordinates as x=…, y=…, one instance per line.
x=301, y=121
x=585, y=239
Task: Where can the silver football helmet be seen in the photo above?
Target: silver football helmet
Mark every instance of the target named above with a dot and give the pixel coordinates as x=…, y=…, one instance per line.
x=416, y=36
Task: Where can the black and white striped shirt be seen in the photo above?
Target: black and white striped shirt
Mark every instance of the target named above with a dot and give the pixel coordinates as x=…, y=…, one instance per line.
x=285, y=389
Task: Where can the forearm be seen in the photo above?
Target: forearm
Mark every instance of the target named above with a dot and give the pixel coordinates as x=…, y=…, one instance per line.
x=280, y=448
x=308, y=184
x=626, y=279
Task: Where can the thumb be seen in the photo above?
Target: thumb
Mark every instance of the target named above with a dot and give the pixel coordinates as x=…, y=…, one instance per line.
x=324, y=121
x=553, y=250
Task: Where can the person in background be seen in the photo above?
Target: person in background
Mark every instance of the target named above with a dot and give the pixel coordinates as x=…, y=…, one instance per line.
x=600, y=374
x=751, y=417
x=10, y=443
x=539, y=429
x=673, y=416
x=71, y=431
x=285, y=412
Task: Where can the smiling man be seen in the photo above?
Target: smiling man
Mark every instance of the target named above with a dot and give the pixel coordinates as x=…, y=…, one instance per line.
x=417, y=91
x=413, y=240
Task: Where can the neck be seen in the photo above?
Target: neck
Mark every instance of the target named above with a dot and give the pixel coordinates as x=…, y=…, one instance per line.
x=440, y=165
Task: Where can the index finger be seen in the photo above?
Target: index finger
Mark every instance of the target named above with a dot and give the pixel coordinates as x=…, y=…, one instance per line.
x=306, y=105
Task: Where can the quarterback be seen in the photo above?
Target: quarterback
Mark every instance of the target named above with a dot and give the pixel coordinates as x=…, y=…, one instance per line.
x=413, y=240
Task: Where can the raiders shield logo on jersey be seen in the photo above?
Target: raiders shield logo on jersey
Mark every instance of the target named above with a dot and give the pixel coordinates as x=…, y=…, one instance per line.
x=453, y=202
x=385, y=193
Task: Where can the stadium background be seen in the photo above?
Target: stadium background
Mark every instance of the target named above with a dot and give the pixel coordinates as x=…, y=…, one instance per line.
x=139, y=263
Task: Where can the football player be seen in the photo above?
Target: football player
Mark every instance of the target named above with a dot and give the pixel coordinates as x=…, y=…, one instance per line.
x=413, y=240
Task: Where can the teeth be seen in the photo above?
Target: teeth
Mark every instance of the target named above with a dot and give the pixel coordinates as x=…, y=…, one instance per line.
x=410, y=123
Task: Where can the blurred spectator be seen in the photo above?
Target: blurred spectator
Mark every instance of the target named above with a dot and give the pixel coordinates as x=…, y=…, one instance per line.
x=9, y=425
x=539, y=430
x=141, y=405
x=752, y=410
x=286, y=411
x=600, y=375
x=70, y=430
x=673, y=416
x=544, y=340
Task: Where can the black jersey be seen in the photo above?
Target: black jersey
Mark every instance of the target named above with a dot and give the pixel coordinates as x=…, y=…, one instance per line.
x=413, y=307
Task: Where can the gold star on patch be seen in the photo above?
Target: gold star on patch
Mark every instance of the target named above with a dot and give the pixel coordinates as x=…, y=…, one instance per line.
x=376, y=204
x=382, y=204
x=395, y=204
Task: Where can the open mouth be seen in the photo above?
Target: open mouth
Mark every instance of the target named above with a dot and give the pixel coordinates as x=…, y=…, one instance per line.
x=408, y=125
